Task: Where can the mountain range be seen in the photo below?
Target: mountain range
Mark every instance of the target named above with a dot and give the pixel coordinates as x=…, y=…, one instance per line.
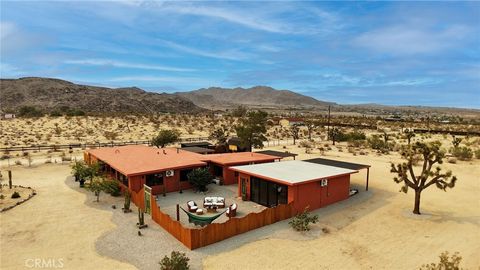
x=254, y=96
x=50, y=94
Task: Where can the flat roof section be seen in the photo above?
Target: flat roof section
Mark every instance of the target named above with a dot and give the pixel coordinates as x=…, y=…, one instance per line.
x=336, y=163
x=238, y=158
x=292, y=172
x=199, y=150
x=277, y=153
x=140, y=159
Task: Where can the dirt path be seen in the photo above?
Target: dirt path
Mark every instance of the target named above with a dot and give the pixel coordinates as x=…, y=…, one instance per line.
x=55, y=225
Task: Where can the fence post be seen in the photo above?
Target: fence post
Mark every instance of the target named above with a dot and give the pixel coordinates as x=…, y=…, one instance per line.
x=178, y=212
x=10, y=179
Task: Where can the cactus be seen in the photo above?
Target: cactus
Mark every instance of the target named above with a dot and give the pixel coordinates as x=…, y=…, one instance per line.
x=141, y=219
x=126, y=204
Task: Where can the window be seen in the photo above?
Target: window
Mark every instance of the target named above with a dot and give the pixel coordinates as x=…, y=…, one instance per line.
x=154, y=180
x=122, y=178
x=183, y=175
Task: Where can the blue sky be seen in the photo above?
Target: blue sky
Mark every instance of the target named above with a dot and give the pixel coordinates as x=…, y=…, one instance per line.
x=394, y=53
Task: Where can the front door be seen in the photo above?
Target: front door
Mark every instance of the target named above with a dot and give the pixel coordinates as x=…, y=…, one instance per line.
x=147, y=195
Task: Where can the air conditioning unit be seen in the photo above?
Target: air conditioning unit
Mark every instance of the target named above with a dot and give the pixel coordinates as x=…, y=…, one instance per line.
x=324, y=182
x=169, y=173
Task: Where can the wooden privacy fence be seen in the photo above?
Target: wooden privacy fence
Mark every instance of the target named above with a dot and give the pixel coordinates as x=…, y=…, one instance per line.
x=138, y=198
x=195, y=238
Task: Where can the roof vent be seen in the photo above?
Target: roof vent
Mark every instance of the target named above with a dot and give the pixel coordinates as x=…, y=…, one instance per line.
x=164, y=152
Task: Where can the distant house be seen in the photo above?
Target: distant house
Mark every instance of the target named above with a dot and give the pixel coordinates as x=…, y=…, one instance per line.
x=286, y=122
x=8, y=116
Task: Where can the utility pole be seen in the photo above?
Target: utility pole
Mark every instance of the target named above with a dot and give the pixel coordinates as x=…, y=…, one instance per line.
x=328, y=126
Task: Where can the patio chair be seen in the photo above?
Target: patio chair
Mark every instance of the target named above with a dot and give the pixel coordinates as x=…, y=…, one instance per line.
x=192, y=206
x=232, y=210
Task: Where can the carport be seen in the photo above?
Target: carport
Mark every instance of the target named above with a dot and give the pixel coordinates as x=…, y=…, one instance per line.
x=342, y=164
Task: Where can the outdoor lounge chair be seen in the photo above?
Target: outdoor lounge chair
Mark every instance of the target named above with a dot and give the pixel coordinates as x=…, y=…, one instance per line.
x=210, y=202
x=232, y=210
x=192, y=206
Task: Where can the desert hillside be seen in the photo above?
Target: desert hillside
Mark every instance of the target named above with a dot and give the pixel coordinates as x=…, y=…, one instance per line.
x=53, y=94
x=256, y=96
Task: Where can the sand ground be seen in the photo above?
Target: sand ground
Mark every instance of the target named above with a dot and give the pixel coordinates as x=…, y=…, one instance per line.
x=372, y=230
x=55, y=224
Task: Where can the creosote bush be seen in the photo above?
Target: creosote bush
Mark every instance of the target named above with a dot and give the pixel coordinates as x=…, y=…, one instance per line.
x=176, y=261
x=446, y=262
x=15, y=195
x=462, y=153
x=301, y=222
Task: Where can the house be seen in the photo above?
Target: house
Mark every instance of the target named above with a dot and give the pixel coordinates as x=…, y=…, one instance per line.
x=165, y=169
x=288, y=122
x=304, y=184
x=9, y=116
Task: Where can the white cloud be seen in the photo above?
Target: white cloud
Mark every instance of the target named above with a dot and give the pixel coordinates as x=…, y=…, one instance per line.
x=246, y=18
x=229, y=54
x=408, y=39
x=112, y=63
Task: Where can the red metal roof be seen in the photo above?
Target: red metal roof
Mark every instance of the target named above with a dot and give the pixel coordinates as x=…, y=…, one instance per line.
x=140, y=159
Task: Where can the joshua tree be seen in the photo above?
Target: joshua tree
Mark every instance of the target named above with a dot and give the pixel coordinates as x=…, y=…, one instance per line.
x=386, y=137
x=409, y=134
x=165, y=137
x=456, y=141
x=295, y=132
x=333, y=134
x=431, y=154
x=311, y=125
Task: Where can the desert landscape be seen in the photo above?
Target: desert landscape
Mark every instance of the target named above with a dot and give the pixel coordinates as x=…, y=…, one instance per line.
x=354, y=233
x=176, y=135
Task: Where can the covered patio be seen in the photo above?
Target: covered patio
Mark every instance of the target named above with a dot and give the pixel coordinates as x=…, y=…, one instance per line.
x=168, y=203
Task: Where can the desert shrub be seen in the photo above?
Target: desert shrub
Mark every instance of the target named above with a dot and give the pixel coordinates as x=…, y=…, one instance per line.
x=55, y=113
x=176, y=261
x=446, y=262
x=18, y=162
x=200, y=178
x=112, y=187
x=2, y=196
x=30, y=111
x=15, y=195
x=477, y=153
x=351, y=136
x=375, y=142
x=462, y=153
x=301, y=222
x=307, y=145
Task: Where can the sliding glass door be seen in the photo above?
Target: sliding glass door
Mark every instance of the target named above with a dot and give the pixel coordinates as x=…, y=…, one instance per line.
x=267, y=193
